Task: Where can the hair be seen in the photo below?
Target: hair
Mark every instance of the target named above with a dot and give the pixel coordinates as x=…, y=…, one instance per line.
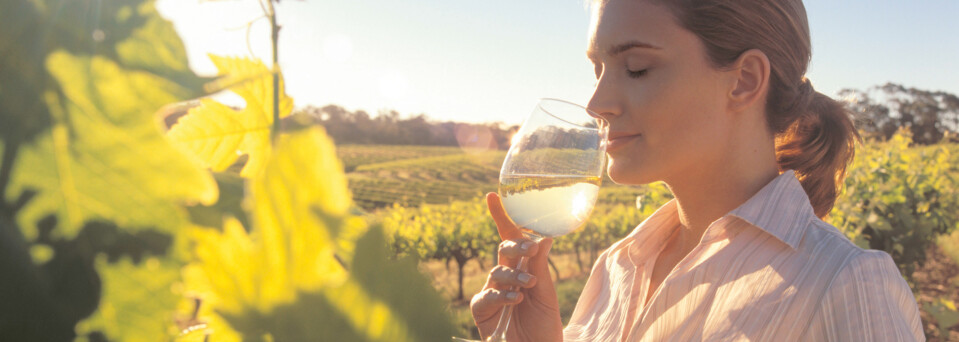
x=814, y=134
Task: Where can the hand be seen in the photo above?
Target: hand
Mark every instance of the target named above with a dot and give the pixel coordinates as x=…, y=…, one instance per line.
x=536, y=311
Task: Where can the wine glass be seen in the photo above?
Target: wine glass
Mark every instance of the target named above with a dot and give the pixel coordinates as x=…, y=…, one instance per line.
x=551, y=176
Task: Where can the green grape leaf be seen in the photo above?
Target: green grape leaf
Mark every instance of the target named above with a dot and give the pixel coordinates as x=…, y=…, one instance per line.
x=409, y=296
x=86, y=172
x=82, y=138
x=217, y=134
x=107, y=158
x=286, y=279
x=137, y=302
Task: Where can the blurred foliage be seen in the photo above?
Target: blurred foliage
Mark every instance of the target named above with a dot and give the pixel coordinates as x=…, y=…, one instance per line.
x=949, y=243
x=899, y=199
x=96, y=92
x=96, y=238
x=91, y=190
x=946, y=314
x=217, y=134
x=308, y=267
x=904, y=200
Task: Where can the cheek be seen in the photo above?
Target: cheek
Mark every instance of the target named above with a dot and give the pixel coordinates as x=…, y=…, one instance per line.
x=690, y=110
x=682, y=123
x=685, y=123
x=675, y=115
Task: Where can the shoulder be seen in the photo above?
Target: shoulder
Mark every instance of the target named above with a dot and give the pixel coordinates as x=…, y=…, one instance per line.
x=823, y=242
x=853, y=263
x=866, y=295
x=818, y=230
x=871, y=272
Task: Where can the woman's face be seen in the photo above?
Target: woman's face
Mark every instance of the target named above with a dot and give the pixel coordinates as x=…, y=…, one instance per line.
x=664, y=102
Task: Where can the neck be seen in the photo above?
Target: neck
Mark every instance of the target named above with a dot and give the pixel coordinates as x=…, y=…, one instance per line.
x=704, y=195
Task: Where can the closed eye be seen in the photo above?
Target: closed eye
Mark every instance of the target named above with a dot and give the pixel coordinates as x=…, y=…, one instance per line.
x=637, y=74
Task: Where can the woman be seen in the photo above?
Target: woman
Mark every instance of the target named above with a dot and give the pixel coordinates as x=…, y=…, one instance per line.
x=710, y=97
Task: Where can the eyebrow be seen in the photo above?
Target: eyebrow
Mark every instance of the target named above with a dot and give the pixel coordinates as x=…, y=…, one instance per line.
x=620, y=48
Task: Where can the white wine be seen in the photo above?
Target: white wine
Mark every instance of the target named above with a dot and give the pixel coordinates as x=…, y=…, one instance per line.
x=548, y=206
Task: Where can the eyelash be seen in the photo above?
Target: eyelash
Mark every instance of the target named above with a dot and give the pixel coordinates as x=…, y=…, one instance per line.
x=637, y=74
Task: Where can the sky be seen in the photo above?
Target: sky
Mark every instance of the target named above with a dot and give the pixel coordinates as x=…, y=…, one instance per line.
x=489, y=61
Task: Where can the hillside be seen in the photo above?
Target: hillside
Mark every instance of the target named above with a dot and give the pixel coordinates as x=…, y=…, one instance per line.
x=383, y=175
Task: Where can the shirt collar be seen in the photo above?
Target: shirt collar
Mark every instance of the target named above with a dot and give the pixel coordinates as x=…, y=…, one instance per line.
x=653, y=231
x=777, y=208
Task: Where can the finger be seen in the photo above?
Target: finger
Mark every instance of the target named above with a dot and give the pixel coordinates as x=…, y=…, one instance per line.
x=511, y=250
x=506, y=228
x=492, y=300
x=503, y=278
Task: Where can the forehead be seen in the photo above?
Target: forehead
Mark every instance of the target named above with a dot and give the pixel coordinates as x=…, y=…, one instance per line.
x=617, y=21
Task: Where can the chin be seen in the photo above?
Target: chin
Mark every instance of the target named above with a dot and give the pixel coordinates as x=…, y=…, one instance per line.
x=625, y=174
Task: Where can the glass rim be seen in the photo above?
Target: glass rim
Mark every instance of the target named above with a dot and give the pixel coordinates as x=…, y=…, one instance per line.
x=589, y=112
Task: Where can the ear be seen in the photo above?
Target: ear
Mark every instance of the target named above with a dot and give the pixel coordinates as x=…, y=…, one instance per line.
x=750, y=77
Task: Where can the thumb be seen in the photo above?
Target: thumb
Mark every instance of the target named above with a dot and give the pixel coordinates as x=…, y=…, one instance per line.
x=506, y=228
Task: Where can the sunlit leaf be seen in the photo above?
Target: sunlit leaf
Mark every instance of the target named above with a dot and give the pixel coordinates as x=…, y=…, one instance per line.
x=218, y=134
x=287, y=277
x=105, y=157
x=137, y=300
x=92, y=181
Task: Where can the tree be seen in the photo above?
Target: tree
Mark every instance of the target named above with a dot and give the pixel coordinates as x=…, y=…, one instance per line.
x=929, y=115
x=871, y=117
x=389, y=128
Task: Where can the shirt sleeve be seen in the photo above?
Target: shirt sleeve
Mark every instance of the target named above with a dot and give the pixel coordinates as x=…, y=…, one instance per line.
x=868, y=301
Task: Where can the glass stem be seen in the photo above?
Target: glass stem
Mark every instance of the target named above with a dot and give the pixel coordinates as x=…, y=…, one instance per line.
x=499, y=335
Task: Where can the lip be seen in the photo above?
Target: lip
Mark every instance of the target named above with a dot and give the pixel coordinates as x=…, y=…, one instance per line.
x=615, y=140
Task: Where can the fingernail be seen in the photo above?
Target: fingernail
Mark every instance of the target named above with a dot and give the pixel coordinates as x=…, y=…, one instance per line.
x=512, y=295
x=526, y=245
x=523, y=277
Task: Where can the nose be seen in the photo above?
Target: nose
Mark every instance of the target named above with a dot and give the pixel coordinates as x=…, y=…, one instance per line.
x=605, y=100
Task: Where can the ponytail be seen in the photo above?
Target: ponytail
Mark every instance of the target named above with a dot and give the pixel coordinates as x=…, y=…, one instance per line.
x=818, y=143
